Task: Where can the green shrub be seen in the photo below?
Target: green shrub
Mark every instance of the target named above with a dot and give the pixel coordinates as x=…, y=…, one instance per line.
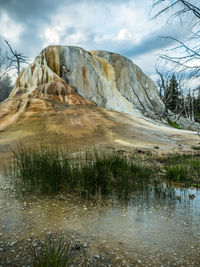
x=173, y=124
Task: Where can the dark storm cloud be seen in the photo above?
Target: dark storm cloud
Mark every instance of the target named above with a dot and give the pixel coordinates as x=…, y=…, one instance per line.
x=32, y=16
x=155, y=41
x=26, y=11
x=29, y=11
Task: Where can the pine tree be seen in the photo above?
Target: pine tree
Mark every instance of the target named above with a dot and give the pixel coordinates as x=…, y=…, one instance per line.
x=173, y=94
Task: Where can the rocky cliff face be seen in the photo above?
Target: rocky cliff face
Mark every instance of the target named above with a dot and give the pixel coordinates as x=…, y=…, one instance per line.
x=75, y=76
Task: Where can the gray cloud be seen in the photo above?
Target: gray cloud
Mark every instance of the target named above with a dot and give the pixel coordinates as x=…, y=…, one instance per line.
x=155, y=41
x=29, y=11
x=36, y=16
x=152, y=42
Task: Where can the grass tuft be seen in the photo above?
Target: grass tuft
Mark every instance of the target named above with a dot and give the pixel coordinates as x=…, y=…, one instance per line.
x=183, y=168
x=178, y=173
x=52, y=253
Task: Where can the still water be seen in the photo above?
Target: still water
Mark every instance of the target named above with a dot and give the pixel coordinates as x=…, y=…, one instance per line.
x=147, y=230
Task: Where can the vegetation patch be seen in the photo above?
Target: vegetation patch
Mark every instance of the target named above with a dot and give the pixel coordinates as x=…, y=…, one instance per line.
x=183, y=168
x=54, y=253
x=196, y=147
x=46, y=171
x=178, y=173
x=173, y=124
x=49, y=171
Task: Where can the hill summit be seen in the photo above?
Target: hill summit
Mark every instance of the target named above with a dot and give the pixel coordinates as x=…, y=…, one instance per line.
x=62, y=73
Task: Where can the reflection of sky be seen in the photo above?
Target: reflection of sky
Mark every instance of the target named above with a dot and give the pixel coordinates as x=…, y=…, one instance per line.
x=150, y=225
x=192, y=205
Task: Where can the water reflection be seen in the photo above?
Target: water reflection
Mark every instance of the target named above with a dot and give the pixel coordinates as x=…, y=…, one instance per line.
x=152, y=224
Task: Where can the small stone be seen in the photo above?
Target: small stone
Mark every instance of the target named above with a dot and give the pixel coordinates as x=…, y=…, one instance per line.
x=13, y=243
x=97, y=257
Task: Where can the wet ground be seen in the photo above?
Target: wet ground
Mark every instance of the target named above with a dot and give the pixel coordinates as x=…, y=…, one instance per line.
x=147, y=230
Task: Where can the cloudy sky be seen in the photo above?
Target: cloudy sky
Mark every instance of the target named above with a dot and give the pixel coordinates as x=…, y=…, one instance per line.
x=114, y=25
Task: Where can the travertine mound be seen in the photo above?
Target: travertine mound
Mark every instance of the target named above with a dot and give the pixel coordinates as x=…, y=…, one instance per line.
x=69, y=95
x=107, y=79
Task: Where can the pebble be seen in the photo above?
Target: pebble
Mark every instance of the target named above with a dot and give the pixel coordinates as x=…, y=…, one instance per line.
x=97, y=257
x=13, y=243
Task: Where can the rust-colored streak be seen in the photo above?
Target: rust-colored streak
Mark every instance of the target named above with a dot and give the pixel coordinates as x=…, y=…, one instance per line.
x=92, y=58
x=52, y=88
x=84, y=75
x=138, y=74
x=105, y=68
x=53, y=54
x=32, y=69
x=47, y=77
x=18, y=84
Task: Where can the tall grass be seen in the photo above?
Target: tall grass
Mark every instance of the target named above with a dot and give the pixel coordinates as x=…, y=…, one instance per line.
x=183, y=168
x=52, y=253
x=48, y=171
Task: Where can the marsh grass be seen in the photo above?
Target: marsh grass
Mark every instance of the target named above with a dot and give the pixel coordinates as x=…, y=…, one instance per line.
x=196, y=147
x=90, y=173
x=54, y=253
x=183, y=168
x=48, y=171
x=178, y=173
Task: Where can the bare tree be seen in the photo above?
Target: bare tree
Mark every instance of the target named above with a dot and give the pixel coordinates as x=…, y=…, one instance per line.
x=172, y=94
x=3, y=64
x=189, y=13
x=180, y=7
x=162, y=84
x=5, y=80
x=17, y=59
